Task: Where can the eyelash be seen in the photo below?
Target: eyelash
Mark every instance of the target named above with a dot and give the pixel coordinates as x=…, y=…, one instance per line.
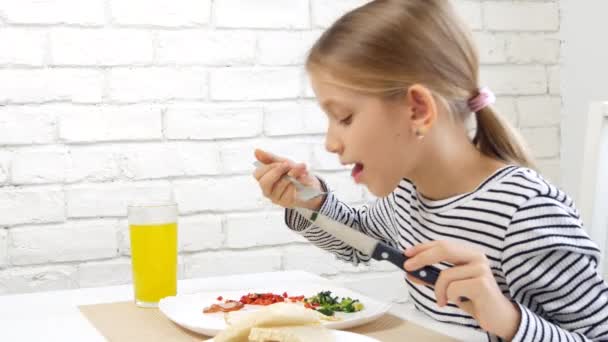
x=346, y=121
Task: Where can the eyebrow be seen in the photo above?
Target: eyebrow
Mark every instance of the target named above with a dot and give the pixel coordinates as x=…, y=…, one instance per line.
x=332, y=105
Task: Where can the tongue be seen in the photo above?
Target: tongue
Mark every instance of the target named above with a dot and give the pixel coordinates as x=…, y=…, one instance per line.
x=357, y=169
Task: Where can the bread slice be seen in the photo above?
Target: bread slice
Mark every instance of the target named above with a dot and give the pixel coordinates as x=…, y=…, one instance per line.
x=275, y=315
x=291, y=334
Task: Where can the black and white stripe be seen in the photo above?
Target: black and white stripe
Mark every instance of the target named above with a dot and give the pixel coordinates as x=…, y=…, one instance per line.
x=530, y=231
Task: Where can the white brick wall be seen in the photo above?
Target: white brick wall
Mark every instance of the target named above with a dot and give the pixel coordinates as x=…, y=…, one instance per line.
x=104, y=102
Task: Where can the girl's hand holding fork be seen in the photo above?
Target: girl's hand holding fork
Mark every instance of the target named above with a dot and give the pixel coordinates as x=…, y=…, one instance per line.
x=280, y=190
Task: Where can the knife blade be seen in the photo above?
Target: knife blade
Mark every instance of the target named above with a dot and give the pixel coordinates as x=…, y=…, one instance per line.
x=378, y=250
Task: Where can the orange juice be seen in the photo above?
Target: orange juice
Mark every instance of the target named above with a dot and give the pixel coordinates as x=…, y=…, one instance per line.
x=154, y=261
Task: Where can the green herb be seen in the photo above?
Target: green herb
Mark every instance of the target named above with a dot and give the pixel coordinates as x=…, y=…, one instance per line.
x=326, y=304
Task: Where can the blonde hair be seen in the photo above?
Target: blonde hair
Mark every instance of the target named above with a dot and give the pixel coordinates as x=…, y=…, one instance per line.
x=386, y=46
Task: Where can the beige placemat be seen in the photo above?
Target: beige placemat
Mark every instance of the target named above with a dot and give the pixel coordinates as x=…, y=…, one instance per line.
x=123, y=321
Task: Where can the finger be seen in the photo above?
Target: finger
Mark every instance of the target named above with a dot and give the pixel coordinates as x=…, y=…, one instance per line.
x=298, y=171
x=260, y=171
x=267, y=157
x=287, y=199
x=467, y=288
x=450, y=275
x=279, y=188
x=270, y=178
x=419, y=248
x=457, y=254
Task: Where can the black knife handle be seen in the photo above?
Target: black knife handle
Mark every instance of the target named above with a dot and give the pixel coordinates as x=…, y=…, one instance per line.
x=428, y=274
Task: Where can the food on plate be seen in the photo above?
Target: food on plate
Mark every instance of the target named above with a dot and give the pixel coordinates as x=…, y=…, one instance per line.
x=229, y=305
x=322, y=302
x=309, y=333
x=268, y=298
x=327, y=305
x=275, y=315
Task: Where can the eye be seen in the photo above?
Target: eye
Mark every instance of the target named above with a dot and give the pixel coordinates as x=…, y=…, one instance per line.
x=347, y=120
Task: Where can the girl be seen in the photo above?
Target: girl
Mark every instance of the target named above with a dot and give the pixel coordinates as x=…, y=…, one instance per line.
x=398, y=80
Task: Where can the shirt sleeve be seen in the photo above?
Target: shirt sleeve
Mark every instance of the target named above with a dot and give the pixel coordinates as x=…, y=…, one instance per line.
x=551, y=267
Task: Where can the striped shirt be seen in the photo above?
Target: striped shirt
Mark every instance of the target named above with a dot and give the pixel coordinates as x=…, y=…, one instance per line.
x=529, y=230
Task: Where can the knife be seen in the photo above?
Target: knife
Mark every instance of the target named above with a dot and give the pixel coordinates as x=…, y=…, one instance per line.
x=376, y=249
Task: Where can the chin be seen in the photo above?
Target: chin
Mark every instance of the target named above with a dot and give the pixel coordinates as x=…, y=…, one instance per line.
x=380, y=190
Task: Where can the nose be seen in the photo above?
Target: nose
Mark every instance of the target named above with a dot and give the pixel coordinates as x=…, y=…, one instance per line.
x=332, y=142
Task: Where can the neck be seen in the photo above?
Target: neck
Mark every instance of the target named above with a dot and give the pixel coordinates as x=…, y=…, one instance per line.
x=453, y=168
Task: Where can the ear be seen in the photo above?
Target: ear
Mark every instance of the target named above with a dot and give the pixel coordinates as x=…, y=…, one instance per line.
x=423, y=108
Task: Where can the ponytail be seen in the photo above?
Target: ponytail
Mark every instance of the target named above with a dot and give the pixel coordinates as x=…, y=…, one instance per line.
x=496, y=138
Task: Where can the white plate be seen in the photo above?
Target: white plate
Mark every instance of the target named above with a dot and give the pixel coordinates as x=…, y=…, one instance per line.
x=187, y=310
x=346, y=336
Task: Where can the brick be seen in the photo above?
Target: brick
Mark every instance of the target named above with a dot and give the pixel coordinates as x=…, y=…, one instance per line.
x=553, y=74
x=109, y=123
x=105, y=273
x=98, y=47
x=26, y=125
x=324, y=13
x=238, y=157
x=112, y=199
x=71, y=241
x=39, y=165
x=258, y=229
x=255, y=84
x=124, y=240
x=200, y=232
x=54, y=12
x=492, y=48
x=40, y=278
x=216, y=48
x=160, y=160
x=551, y=170
x=157, y=84
x=261, y=14
x=231, y=262
x=27, y=47
x=544, y=141
x=93, y=164
x=539, y=111
x=521, y=16
x=470, y=12
x=215, y=194
x=533, y=49
x=213, y=122
x=179, y=13
x=41, y=85
x=515, y=80
x=3, y=248
x=5, y=164
x=294, y=118
x=285, y=48
x=31, y=205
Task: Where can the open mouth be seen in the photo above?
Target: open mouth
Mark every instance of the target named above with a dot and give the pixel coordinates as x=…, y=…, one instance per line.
x=356, y=172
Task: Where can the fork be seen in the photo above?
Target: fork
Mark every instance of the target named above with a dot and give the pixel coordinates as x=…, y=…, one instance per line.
x=303, y=192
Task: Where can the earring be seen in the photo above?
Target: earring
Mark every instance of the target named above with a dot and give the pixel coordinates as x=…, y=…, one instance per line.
x=419, y=133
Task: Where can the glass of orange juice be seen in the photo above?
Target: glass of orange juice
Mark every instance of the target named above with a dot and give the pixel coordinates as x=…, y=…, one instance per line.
x=153, y=234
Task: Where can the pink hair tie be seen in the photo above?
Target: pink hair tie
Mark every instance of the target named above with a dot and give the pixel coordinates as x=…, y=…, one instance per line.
x=485, y=98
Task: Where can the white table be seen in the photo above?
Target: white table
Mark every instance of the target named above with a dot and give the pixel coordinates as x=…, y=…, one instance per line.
x=54, y=315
